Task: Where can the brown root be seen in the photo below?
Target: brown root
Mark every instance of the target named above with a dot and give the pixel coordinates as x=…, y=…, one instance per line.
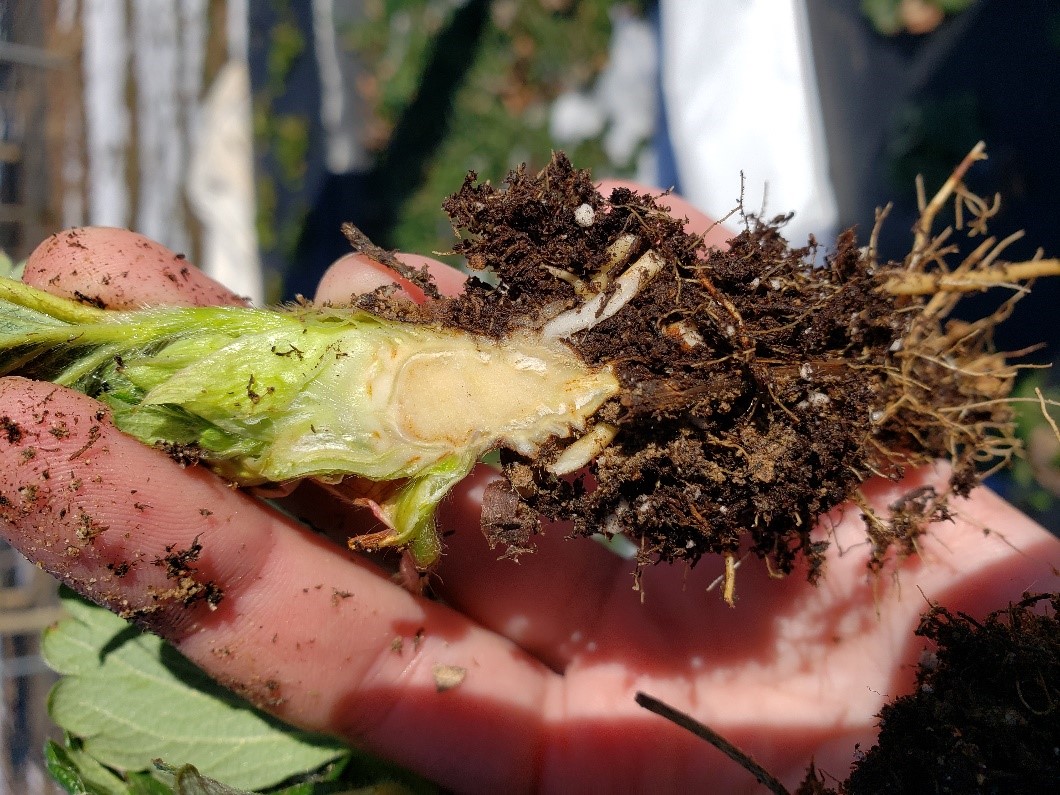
x=1008, y=275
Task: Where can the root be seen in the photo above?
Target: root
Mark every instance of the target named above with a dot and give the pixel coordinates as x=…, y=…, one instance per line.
x=606, y=304
x=579, y=453
x=1008, y=275
x=922, y=238
x=728, y=592
x=1044, y=404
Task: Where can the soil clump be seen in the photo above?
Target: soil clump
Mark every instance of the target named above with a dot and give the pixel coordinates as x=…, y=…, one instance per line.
x=983, y=717
x=761, y=384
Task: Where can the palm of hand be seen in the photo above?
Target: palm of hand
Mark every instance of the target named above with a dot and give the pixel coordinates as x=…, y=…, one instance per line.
x=793, y=673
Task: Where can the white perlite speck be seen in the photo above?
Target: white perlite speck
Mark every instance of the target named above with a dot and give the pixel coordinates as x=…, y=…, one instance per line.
x=584, y=215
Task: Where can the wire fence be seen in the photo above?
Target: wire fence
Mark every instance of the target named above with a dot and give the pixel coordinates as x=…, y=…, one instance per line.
x=27, y=67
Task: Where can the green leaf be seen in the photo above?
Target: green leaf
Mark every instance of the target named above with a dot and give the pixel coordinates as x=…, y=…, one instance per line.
x=80, y=774
x=414, y=507
x=884, y=15
x=186, y=780
x=140, y=783
x=131, y=698
x=951, y=7
x=246, y=378
x=7, y=266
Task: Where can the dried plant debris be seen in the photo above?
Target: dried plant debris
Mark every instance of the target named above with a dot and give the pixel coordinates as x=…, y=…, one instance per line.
x=985, y=716
x=188, y=588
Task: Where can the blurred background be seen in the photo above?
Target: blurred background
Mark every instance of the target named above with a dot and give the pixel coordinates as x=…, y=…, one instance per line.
x=244, y=132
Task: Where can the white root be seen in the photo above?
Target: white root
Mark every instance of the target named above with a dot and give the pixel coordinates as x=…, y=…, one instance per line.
x=581, y=289
x=605, y=304
x=583, y=450
x=619, y=253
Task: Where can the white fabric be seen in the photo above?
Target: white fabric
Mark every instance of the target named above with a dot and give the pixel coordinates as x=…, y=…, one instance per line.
x=343, y=150
x=741, y=95
x=621, y=105
x=107, y=120
x=220, y=184
x=161, y=148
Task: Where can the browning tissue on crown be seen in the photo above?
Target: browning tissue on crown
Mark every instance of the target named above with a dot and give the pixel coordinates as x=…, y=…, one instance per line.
x=755, y=383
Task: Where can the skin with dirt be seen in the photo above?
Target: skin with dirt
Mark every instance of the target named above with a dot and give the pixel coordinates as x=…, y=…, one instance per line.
x=758, y=390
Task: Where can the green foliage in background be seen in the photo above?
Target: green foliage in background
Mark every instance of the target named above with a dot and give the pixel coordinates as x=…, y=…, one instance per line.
x=447, y=86
x=928, y=136
x=1036, y=475
x=284, y=136
x=888, y=17
x=10, y=268
x=526, y=55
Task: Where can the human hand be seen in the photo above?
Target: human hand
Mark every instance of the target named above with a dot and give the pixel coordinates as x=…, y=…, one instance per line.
x=554, y=647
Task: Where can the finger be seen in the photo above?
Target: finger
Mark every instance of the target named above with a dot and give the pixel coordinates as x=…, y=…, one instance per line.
x=357, y=274
x=696, y=222
x=450, y=280
x=120, y=269
x=298, y=625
